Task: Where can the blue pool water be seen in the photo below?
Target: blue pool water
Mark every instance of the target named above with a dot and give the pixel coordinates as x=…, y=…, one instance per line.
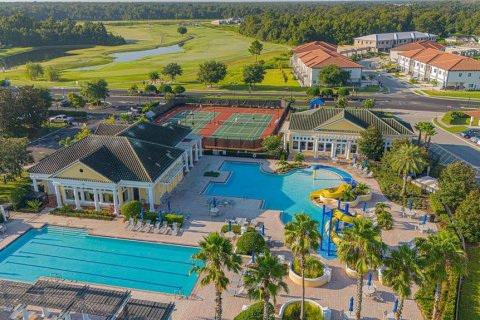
x=287, y=192
x=72, y=254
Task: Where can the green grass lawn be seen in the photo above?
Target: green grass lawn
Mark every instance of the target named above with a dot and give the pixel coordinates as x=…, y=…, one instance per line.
x=454, y=129
x=455, y=94
x=469, y=307
x=6, y=188
x=206, y=43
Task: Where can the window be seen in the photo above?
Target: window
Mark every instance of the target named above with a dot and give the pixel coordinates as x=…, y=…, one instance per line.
x=125, y=194
x=89, y=196
x=469, y=74
x=295, y=145
x=302, y=145
x=69, y=194
x=107, y=197
x=460, y=75
x=310, y=146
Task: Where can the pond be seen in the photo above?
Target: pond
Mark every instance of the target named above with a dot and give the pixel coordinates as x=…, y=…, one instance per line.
x=34, y=55
x=135, y=55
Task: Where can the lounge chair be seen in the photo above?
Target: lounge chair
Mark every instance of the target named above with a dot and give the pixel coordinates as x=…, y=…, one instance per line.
x=155, y=227
x=147, y=224
x=164, y=227
x=174, y=229
x=138, y=225
x=130, y=223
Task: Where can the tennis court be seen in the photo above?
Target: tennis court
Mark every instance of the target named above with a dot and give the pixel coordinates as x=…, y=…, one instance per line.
x=194, y=119
x=249, y=126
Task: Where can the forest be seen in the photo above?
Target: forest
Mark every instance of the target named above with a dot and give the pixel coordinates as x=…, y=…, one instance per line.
x=19, y=30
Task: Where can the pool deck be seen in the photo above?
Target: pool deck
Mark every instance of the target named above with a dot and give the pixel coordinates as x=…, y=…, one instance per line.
x=188, y=198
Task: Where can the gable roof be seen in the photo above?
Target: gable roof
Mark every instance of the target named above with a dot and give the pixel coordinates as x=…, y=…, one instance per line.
x=396, y=36
x=318, y=119
x=116, y=158
x=320, y=54
x=419, y=45
x=443, y=60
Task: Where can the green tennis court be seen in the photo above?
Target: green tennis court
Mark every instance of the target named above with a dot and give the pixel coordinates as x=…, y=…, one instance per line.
x=196, y=120
x=243, y=126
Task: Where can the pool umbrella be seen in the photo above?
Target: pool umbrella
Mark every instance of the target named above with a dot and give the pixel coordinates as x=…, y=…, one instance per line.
x=410, y=205
x=169, y=206
x=253, y=256
x=214, y=202
x=4, y=215
x=142, y=213
x=347, y=206
x=263, y=230
x=424, y=219
x=395, y=306
x=339, y=203
x=365, y=206
x=229, y=225
x=369, y=280
x=159, y=215
x=354, y=159
x=350, y=307
x=365, y=163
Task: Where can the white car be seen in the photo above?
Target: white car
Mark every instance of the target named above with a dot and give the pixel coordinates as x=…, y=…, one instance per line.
x=475, y=139
x=61, y=118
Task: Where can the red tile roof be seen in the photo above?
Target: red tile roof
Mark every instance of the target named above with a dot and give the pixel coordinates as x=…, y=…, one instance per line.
x=319, y=54
x=443, y=60
x=419, y=45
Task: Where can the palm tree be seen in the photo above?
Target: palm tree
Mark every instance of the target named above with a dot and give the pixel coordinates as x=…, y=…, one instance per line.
x=384, y=217
x=302, y=236
x=443, y=254
x=361, y=189
x=402, y=269
x=419, y=127
x=216, y=253
x=265, y=280
x=408, y=159
x=429, y=132
x=361, y=249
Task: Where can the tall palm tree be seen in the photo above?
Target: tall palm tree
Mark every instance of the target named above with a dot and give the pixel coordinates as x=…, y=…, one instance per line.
x=264, y=280
x=421, y=127
x=361, y=249
x=408, y=159
x=429, y=133
x=216, y=253
x=302, y=236
x=443, y=254
x=402, y=269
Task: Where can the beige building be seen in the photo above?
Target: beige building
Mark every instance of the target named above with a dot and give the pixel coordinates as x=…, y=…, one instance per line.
x=418, y=45
x=386, y=41
x=119, y=163
x=334, y=132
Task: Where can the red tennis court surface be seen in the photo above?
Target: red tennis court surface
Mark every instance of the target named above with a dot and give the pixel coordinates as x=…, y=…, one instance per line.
x=226, y=122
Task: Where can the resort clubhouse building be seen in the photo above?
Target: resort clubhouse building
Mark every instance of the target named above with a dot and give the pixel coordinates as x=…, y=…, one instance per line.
x=334, y=132
x=119, y=163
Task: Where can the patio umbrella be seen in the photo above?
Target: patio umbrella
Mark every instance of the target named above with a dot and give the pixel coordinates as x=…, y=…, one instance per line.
x=142, y=213
x=169, y=206
x=229, y=225
x=350, y=307
x=365, y=163
x=410, y=204
x=347, y=206
x=253, y=256
x=339, y=203
x=263, y=230
x=214, y=202
x=159, y=215
x=395, y=306
x=354, y=159
x=4, y=215
x=424, y=219
x=365, y=206
x=369, y=280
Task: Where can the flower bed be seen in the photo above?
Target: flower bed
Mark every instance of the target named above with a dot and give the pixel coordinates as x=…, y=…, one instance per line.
x=290, y=310
x=237, y=229
x=316, y=273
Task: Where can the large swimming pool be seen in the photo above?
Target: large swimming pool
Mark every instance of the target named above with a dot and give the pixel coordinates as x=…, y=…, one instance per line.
x=72, y=254
x=287, y=192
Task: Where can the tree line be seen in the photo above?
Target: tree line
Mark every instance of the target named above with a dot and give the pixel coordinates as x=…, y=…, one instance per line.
x=21, y=30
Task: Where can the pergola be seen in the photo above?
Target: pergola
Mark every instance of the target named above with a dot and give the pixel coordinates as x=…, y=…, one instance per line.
x=63, y=299
x=474, y=114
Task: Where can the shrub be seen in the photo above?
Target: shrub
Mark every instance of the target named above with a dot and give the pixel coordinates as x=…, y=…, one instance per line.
x=172, y=217
x=250, y=241
x=149, y=215
x=66, y=211
x=327, y=92
x=17, y=197
x=236, y=228
x=436, y=204
x=385, y=220
x=343, y=92
x=313, y=267
x=455, y=117
x=35, y=205
x=131, y=209
x=312, y=312
x=254, y=312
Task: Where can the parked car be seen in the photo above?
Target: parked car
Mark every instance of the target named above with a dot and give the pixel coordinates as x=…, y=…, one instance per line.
x=475, y=138
x=61, y=118
x=64, y=104
x=393, y=70
x=467, y=134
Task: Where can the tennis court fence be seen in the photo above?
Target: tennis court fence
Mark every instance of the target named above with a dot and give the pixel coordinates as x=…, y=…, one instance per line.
x=231, y=143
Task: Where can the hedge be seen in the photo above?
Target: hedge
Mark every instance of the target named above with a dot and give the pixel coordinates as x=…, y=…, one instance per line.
x=131, y=209
x=436, y=204
x=250, y=241
x=313, y=267
x=312, y=312
x=172, y=217
x=236, y=228
x=88, y=214
x=254, y=312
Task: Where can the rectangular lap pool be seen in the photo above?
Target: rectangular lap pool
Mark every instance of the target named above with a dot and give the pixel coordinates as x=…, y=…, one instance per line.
x=72, y=254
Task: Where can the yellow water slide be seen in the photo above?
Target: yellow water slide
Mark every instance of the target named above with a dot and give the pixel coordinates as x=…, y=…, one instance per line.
x=326, y=193
x=338, y=215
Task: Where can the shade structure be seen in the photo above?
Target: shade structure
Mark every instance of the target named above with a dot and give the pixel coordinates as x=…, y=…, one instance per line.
x=395, y=306
x=229, y=225
x=369, y=280
x=142, y=213
x=350, y=307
